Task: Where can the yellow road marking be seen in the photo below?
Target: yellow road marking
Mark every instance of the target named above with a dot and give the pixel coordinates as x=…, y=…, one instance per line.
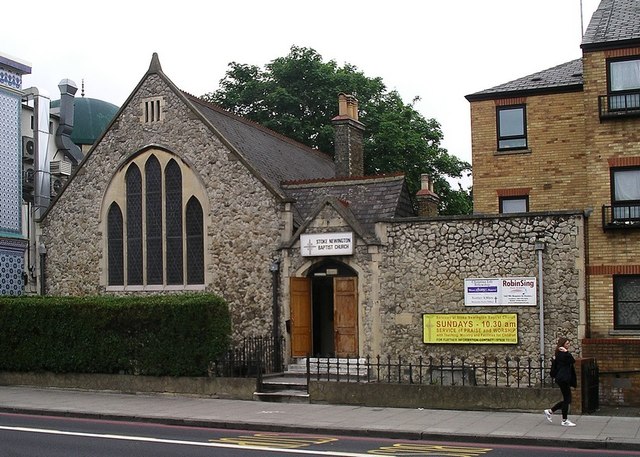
x=408, y=449
x=275, y=440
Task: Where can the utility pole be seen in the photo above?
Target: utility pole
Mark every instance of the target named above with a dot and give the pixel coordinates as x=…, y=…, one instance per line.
x=581, y=22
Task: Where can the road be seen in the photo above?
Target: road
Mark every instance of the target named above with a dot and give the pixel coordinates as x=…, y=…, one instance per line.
x=43, y=436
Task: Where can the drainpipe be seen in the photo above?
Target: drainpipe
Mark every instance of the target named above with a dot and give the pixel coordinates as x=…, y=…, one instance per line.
x=42, y=249
x=539, y=248
x=274, y=268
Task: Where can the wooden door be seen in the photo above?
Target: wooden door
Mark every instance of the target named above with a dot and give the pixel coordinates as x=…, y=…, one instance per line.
x=345, y=316
x=300, y=289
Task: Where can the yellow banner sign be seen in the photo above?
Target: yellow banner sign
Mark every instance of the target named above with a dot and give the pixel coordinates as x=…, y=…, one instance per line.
x=470, y=328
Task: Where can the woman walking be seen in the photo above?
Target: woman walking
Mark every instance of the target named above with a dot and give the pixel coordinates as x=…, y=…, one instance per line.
x=565, y=377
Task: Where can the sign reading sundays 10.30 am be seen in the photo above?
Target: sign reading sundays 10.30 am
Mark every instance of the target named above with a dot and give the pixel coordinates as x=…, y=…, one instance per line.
x=500, y=292
x=470, y=328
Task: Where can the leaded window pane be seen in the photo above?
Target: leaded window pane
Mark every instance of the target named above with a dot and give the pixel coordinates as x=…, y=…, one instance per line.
x=173, y=204
x=195, y=243
x=627, y=302
x=153, y=194
x=134, y=225
x=152, y=245
x=115, y=240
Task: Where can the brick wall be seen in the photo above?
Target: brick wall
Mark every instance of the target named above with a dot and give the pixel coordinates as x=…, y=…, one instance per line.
x=553, y=166
x=619, y=365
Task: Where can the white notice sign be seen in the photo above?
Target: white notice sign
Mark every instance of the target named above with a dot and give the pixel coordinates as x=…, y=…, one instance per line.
x=500, y=292
x=320, y=244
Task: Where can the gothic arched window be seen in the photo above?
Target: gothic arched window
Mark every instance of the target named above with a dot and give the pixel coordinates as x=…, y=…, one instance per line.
x=160, y=240
x=115, y=246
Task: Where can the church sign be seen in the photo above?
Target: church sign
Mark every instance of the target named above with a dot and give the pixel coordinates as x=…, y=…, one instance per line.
x=500, y=291
x=495, y=328
x=321, y=244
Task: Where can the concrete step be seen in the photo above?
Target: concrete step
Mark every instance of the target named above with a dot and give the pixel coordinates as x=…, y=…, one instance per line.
x=330, y=366
x=283, y=396
x=284, y=382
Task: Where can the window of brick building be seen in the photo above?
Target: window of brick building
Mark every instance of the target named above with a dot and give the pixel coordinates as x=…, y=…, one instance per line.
x=625, y=194
x=624, y=84
x=511, y=127
x=626, y=297
x=518, y=204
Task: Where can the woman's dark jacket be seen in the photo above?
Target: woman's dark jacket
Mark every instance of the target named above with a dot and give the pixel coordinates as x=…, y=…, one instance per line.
x=566, y=368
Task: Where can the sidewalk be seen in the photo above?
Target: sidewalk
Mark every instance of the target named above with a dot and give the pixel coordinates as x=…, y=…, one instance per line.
x=592, y=431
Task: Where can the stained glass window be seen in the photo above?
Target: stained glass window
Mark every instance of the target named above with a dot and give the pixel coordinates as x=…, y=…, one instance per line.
x=195, y=243
x=134, y=225
x=115, y=246
x=153, y=195
x=173, y=204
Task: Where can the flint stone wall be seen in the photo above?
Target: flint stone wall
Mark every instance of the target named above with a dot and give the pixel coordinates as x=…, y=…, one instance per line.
x=424, y=264
x=237, y=249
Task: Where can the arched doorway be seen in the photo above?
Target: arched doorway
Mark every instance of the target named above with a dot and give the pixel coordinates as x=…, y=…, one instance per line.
x=324, y=311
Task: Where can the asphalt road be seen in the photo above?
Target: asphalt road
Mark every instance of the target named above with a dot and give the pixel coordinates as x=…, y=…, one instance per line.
x=44, y=436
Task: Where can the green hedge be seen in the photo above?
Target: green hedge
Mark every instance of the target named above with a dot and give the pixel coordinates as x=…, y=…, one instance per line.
x=176, y=335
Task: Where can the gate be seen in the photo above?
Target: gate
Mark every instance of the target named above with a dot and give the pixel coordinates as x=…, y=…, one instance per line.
x=590, y=386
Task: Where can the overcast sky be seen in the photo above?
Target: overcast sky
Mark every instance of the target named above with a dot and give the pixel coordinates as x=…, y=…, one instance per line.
x=439, y=50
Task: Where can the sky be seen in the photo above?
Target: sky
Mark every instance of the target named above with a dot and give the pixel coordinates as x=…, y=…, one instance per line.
x=438, y=50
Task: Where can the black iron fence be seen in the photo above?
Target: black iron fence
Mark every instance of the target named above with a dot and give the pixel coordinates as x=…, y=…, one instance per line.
x=621, y=216
x=619, y=105
x=442, y=370
x=252, y=357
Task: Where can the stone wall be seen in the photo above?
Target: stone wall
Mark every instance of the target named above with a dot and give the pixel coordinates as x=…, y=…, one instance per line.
x=236, y=267
x=424, y=264
x=435, y=397
x=235, y=388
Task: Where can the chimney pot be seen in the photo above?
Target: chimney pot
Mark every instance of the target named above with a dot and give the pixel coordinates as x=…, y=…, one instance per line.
x=427, y=199
x=349, y=130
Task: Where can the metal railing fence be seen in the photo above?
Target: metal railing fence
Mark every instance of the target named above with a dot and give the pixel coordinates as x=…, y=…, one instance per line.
x=444, y=370
x=252, y=357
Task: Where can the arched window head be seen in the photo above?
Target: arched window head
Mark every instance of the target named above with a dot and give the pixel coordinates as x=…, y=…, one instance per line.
x=158, y=242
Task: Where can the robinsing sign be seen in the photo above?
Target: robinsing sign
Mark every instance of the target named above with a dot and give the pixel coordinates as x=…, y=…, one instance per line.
x=500, y=292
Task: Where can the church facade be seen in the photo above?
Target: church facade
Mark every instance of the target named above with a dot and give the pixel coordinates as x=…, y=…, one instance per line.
x=178, y=195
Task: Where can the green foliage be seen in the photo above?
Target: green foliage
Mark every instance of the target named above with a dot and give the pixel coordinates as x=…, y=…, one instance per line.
x=297, y=95
x=177, y=335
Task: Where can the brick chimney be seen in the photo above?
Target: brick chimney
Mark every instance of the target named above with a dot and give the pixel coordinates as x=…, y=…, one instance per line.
x=349, y=130
x=427, y=199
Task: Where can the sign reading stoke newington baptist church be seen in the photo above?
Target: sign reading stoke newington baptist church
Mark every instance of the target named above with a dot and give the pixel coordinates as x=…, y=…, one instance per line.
x=321, y=244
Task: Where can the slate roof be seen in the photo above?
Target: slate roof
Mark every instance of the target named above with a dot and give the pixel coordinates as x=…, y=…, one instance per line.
x=613, y=22
x=370, y=199
x=561, y=78
x=275, y=157
x=295, y=171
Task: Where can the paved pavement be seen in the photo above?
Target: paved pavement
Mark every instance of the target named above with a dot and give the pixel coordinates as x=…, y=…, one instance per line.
x=592, y=431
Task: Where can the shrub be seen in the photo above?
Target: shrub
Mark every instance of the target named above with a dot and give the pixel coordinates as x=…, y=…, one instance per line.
x=176, y=335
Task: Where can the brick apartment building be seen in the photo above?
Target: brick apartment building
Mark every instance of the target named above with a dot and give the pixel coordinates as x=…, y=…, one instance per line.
x=569, y=138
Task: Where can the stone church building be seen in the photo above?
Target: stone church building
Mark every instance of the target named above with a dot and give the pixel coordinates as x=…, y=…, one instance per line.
x=179, y=195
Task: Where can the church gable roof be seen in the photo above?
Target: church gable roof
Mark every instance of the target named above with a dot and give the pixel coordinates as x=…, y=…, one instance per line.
x=337, y=207
x=276, y=157
x=369, y=199
x=288, y=169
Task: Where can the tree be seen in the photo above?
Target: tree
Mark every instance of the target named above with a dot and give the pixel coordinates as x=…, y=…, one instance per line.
x=297, y=95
